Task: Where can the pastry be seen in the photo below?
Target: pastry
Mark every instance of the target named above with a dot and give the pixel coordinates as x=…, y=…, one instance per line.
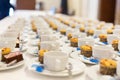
x=74, y=42
x=103, y=37
x=41, y=55
x=63, y=31
x=69, y=36
x=108, y=67
x=5, y=51
x=90, y=32
x=109, y=31
x=13, y=56
x=86, y=50
x=82, y=29
x=115, y=45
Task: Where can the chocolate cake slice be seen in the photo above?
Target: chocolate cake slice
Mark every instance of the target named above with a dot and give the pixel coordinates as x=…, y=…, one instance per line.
x=13, y=56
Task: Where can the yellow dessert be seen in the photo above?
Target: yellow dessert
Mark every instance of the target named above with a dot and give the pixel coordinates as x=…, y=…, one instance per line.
x=115, y=45
x=5, y=51
x=69, y=36
x=63, y=31
x=103, y=37
x=90, y=32
x=86, y=50
x=108, y=67
x=109, y=31
x=74, y=42
x=41, y=55
x=82, y=29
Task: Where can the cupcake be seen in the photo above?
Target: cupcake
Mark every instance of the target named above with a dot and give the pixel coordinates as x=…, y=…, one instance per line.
x=103, y=37
x=69, y=36
x=82, y=29
x=74, y=42
x=109, y=31
x=63, y=31
x=41, y=55
x=115, y=45
x=108, y=67
x=90, y=32
x=86, y=50
x=5, y=51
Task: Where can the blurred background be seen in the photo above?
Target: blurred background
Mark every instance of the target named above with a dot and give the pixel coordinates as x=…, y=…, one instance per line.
x=104, y=10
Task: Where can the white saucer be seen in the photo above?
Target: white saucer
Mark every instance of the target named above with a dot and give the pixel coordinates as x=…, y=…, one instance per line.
x=4, y=66
x=93, y=73
x=76, y=55
x=78, y=68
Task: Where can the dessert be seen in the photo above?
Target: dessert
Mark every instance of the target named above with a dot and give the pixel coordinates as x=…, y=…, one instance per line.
x=115, y=45
x=17, y=44
x=5, y=51
x=108, y=67
x=86, y=50
x=13, y=56
x=74, y=42
x=63, y=31
x=90, y=32
x=41, y=55
x=82, y=29
x=109, y=31
x=69, y=36
x=103, y=37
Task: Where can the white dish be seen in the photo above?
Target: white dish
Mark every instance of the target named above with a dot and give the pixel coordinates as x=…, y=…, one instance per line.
x=78, y=68
x=4, y=67
x=93, y=73
x=76, y=55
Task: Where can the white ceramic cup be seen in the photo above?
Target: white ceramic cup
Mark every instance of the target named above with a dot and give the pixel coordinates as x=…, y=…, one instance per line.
x=50, y=45
x=118, y=69
x=103, y=52
x=48, y=38
x=111, y=37
x=85, y=41
x=116, y=31
x=55, y=60
x=98, y=32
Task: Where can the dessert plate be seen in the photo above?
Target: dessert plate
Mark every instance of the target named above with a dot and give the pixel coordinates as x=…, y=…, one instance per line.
x=4, y=66
x=93, y=73
x=76, y=55
x=78, y=68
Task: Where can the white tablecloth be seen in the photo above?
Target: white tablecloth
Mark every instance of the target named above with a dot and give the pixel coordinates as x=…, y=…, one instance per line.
x=22, y=73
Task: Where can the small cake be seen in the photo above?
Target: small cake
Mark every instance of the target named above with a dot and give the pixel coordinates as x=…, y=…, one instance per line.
x=13, y=56
x=115, y=45
x=103, y=37
x=69, y=36
x=108, y=67
x=41, y=55
x=109, y=31
x=73, y=25
x=82, y=29
x=63, y=31
x=86, y=50
x=5, y=51
x=90, y=32
x=74, y=42
x=17, y=44
x=55, y=27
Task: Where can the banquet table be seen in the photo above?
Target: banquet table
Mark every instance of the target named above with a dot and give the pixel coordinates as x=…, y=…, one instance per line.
x=22, y=72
